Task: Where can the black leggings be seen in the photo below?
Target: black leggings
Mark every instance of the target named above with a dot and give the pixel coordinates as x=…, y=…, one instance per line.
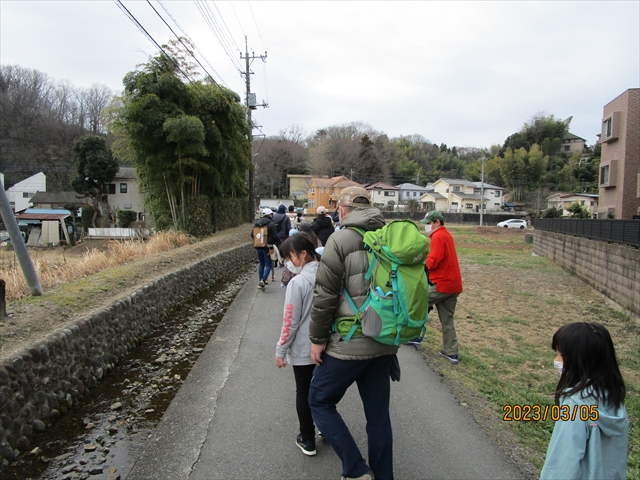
x=303, y=375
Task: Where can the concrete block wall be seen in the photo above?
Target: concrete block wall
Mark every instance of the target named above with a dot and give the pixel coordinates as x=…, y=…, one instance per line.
x=47, y=379
x=613, y=270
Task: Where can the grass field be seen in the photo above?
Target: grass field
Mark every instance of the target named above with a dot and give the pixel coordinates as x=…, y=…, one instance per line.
x=512, y=304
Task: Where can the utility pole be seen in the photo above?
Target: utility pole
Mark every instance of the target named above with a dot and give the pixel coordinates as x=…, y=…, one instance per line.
x=29, y=272
x=250, y=102
x=482, y=191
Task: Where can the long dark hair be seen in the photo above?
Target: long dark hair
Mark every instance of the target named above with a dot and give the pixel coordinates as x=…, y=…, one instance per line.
x=589, y=361
x=296, y=244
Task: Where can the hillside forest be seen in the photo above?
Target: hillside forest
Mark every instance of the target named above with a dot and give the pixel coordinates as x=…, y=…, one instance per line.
x=189, y=139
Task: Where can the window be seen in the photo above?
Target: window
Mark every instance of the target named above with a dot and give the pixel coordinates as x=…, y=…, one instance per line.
x=582, y=202
x=608, y=174
x=123, y=188
x=456, y=189
x=26, y=194
x=312, y=190
x=415, y=194
x=468, y=205
x=387, y=193
x=110, y=188
x=567, y=148
x=610, y=127
x=141, y=216
x=498, y=193
x=447, y=190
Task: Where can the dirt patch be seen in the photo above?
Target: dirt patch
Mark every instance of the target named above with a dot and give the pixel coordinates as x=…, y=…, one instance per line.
x=32, y=319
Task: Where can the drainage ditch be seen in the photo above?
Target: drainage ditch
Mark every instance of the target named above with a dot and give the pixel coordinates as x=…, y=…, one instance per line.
x=102, y=437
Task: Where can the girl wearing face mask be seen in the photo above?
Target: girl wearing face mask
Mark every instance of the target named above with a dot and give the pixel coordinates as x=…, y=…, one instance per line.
x=592, y=441
x=294, y=346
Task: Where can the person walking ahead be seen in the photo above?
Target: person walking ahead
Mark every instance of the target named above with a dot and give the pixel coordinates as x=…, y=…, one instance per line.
x=264, y=260
x=445, y=281
x=362, y=360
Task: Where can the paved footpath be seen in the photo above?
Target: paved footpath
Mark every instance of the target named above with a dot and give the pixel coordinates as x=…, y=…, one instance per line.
x=234, y=417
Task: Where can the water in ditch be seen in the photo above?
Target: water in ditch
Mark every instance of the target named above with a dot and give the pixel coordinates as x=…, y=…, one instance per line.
x=102, y=436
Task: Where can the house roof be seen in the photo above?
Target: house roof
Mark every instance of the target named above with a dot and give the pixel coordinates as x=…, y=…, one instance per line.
x=43, y=214
x=381, y=186
x=487, y=185
x=343, y=182
x=127, y=172
x=434, y=195
x=466, y=196
x=321, y=182
x=58, y=197
x=410, y=186
x=456, y=181
x=571, y=136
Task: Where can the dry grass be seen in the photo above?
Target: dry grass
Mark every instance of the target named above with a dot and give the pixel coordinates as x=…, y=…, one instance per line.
x=54, y=273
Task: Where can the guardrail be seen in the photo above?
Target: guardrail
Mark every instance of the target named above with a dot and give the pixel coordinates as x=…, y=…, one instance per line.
x=625, y=232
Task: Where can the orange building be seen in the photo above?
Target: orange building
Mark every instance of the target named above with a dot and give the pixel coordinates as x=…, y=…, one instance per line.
x=326, y=191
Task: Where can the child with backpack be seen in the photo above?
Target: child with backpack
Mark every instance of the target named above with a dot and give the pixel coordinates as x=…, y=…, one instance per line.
x=591, y=437
x=294, y=345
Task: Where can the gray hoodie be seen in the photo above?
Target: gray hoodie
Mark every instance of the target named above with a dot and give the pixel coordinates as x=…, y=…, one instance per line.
x=294, y=340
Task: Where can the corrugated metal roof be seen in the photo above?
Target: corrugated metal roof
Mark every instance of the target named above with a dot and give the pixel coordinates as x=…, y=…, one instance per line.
x=44, y=214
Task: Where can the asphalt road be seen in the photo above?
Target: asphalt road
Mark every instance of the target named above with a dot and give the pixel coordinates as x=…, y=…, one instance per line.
x=235, y=417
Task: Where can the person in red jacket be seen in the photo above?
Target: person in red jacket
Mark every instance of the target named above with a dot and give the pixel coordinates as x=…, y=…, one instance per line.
x=445, y=281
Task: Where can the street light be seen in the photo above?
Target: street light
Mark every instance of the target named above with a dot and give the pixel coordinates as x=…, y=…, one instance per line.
x=482, y=191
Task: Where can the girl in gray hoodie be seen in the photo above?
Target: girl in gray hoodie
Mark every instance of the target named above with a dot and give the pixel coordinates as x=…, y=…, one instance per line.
x=294, y=346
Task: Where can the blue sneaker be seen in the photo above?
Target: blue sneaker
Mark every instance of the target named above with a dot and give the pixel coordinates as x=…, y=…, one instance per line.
x=415, y=342
x=452, y=358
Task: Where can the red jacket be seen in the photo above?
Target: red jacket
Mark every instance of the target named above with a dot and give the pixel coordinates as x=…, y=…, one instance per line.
x=442, y=262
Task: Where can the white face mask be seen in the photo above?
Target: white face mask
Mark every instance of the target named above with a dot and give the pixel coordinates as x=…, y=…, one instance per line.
x=292, y=268
x=558, y=366
x=428, y=228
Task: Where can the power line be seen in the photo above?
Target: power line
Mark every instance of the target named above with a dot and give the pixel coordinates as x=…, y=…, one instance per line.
x=193, y=43
x=211, y=22
x=152, y=40
x=254, y=21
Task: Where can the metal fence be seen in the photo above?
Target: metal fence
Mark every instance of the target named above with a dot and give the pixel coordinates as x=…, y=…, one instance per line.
x=626, y=232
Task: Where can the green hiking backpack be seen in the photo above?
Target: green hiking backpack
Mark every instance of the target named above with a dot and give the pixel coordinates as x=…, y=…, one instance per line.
x=396, y=308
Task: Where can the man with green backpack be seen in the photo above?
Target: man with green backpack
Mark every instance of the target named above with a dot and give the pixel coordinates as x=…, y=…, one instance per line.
x=355, y=328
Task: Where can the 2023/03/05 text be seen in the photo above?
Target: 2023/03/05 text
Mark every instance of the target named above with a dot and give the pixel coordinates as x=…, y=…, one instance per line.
x=535, y=413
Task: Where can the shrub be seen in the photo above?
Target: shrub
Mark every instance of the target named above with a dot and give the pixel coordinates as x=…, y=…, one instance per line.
x=553, y=212
x=125, y=218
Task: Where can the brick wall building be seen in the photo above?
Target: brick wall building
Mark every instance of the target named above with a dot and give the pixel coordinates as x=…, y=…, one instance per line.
x=619, y=178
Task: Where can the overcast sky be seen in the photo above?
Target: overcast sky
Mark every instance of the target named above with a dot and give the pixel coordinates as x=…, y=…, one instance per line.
x=461, y=73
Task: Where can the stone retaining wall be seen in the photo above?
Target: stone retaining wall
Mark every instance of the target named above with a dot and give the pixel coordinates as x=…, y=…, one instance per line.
x=44, y=381
x=611, y=269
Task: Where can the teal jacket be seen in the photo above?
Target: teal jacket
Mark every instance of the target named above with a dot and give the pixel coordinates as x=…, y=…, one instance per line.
x=591, y=449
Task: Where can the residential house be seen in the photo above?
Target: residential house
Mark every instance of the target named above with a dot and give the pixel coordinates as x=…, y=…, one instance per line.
x=20, y=194
x=298, y=186
x=619, y=179
x=434, y=201
x=572, y=143
x=124, y=193
x=58, y=200
x=460, y=194
x=493, y=196
x=409, y=191
x=565, y=200
x=382, y=194
x=326, y=191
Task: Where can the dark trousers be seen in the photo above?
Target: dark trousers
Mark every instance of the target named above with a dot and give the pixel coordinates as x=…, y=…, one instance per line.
x=303, y=375
x=329, y=384
x=264, y=260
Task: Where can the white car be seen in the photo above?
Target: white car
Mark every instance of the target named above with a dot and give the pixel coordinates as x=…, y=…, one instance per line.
x=513, y=223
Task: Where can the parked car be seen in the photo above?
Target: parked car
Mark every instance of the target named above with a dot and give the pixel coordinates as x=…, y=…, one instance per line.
x=513, y=223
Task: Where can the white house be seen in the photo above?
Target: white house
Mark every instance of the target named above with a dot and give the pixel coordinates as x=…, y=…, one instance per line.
x=383, y=193
x=124, y=194
x=20, y=194
x=409, y=191
x=493, y=196
x=565, y=200
x=434, y=201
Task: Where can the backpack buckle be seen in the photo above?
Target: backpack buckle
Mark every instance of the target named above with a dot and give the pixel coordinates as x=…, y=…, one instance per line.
x=393, y=274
